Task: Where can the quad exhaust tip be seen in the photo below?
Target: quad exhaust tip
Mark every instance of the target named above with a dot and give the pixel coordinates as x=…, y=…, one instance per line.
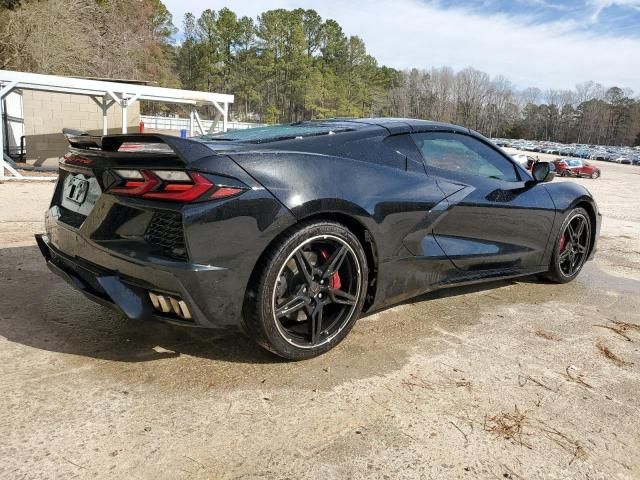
x=168, y=304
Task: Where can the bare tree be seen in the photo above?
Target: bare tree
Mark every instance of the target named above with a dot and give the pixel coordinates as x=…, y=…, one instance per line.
x=495, y=107
x=87, y=38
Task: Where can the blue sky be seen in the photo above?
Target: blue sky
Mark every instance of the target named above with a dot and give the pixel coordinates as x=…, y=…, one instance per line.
x=618, y=18
x=541, y=43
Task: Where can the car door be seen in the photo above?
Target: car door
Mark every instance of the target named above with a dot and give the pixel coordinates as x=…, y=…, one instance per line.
x=495, y=217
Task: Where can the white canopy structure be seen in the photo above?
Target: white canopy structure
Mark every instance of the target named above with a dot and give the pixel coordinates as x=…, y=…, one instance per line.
x=106, y=94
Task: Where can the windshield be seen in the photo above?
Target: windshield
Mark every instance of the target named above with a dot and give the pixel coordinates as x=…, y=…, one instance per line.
x=573, y=163
x=274, y=133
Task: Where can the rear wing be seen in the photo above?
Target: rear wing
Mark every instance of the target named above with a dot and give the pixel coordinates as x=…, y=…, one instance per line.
x=188, y=151
x=80, y=139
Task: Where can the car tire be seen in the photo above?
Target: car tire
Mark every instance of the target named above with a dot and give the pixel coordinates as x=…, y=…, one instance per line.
x=561, y=268
x=293, y=336
x=595, y=174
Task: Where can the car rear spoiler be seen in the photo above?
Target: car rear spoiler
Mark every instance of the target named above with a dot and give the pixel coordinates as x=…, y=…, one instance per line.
x=81, y=139
x=187, y=150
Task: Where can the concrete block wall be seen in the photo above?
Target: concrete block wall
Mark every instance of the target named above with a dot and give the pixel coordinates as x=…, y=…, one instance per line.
x=46, y=114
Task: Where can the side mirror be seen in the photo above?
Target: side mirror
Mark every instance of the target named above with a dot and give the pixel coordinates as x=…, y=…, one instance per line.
x=542, y=172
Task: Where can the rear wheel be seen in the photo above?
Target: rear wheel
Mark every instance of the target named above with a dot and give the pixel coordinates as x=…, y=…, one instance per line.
x=572, y=247
x=310, y=292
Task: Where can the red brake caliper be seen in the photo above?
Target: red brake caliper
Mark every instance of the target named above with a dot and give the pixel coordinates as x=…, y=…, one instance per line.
x=563, y=241
x=335, y=282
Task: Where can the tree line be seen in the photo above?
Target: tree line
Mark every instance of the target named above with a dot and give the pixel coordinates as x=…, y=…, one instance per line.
x=590, y=113
x=287, y=65
x=292, y=65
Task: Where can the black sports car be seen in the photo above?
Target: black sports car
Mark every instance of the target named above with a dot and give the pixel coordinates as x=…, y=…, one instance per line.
x=289, y=232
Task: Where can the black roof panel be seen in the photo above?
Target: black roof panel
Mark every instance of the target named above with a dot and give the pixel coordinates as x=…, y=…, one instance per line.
x=401, y=125
x=338, y=136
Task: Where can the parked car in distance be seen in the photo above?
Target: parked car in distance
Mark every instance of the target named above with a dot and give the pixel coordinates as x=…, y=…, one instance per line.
x=527, y=162
x=623, y=160
x=522, y=159
x=576, y=167
x=607, y=153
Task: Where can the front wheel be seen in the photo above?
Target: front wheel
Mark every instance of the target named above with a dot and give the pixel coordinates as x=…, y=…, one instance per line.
x=571, y=247
x=310, y=292
x=595, y=174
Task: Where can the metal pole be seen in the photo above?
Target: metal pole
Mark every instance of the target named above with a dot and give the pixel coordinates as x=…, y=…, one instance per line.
x=2, y=163
x=124, y=114
x=191, y=116
x=225, y=117
x=105, y=117
x=198, y=121
x=6, y=163
x=213, y=128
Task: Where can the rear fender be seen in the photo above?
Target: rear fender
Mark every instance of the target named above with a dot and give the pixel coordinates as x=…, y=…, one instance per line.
x=391, y=203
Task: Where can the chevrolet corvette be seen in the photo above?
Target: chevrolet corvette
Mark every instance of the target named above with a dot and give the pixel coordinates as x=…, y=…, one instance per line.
x=290, y=232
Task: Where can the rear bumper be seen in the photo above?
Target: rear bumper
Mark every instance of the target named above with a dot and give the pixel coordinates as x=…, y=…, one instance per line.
x=124, y=285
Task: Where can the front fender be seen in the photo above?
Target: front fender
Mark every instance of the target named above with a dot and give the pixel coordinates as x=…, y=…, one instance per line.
x=566, y=196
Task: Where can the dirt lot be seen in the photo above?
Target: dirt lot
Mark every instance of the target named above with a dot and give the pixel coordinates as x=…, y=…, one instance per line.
x=519, y=379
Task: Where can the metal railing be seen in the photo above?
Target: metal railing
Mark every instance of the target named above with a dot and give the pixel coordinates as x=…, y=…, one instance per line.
x=177, y=123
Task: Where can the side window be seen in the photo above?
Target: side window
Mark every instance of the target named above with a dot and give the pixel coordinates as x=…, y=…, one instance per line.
x=404, y=145
x=463, y=154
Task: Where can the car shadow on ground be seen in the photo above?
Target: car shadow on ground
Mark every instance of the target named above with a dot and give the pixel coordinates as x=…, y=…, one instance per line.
x=40, y=310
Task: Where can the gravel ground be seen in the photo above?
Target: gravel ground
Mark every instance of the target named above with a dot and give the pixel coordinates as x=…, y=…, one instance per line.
x=518, y=379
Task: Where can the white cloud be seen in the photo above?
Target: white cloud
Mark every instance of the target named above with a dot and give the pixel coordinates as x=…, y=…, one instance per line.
x=600, y=5
x=411, y=33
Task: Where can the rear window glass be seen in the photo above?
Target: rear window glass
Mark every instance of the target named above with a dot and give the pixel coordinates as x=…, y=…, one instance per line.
x=274, y=133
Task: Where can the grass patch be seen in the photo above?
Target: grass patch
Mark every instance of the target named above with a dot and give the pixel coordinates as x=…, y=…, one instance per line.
x=509, y=426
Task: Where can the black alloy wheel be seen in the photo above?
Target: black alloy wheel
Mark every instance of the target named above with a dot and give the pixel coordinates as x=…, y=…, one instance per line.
x=311, y=292
x=317, y=291
x=572, y=247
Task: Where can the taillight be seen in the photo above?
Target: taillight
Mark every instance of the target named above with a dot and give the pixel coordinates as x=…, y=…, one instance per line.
x=172, y=185
x=76, y=159
x=137, y=187
x=182, y=192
